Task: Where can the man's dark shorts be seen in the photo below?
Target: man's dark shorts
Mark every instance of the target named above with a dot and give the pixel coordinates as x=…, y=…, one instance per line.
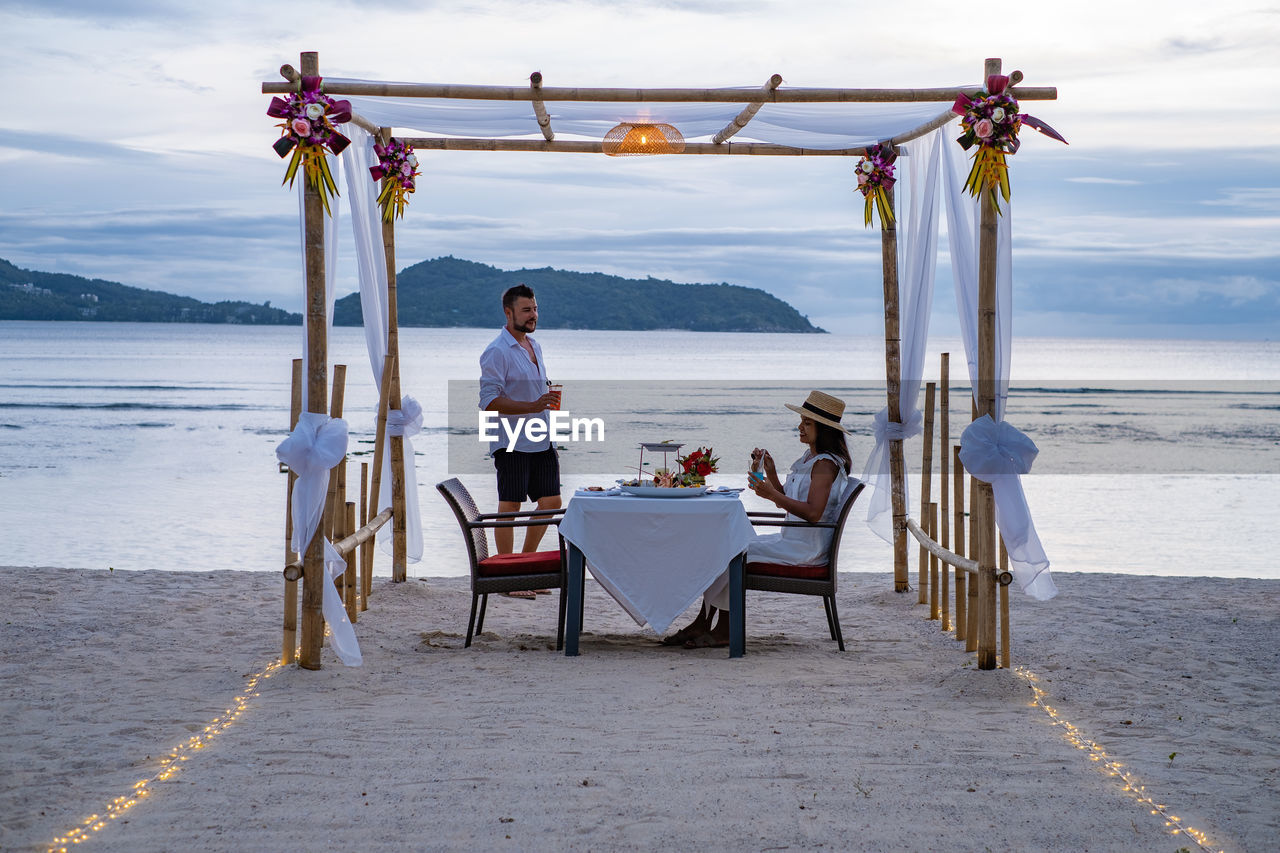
x=527, y=476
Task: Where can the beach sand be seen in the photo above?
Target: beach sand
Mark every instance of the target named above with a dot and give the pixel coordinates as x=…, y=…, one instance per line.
x=897, y=744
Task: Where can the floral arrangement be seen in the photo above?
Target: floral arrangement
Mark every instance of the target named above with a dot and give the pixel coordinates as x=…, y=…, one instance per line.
x=992, y=121
x=399, y=166
x=308, y=130
x=699, y=463
x=875, y=176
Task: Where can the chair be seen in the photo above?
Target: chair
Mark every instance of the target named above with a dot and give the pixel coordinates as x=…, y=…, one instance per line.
x=504, y=572
x=817, y=579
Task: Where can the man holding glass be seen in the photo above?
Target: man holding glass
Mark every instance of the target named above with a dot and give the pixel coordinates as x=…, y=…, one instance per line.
x=513, y=383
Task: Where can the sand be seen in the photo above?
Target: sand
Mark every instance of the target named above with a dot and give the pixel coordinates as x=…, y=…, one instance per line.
x=897, y=744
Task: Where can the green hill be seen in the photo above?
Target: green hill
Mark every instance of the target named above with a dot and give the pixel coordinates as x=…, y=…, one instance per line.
x=32, y=295
x=453, y=292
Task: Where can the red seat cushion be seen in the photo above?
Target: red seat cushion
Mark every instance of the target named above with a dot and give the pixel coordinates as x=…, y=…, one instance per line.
x=782, y=570
x=537, y=563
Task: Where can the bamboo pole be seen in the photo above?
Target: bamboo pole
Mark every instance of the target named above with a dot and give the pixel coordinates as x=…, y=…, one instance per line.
x=576, y=146
x=962, y=596
x=289, y=640
x=926, y=482
x=971, y=634
x=964, y=564
x=380, y=435
x=893, y=384
x=399, y=531
x=333, y=500
x=360, y=537
x=934, y=601
x=1004, y=609
x=366, y=549
x=748, y=112
x=372, y=88
x=317, y=379
x=349, y=577
x=540, y=109
x=944, y=480
x=987, y=369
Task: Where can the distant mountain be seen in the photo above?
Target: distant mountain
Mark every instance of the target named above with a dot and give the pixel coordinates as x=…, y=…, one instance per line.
x=453, y=292
x=31, y=295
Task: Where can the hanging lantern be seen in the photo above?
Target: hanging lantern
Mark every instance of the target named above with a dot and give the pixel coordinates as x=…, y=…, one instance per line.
x=628, y=140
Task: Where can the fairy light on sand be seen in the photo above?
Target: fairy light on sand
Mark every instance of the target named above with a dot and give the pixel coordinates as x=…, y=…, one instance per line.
x=170, y=766
x=1112, y=767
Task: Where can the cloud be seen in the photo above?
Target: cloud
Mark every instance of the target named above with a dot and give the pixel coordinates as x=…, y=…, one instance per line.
x=1119, y=182
x=1262, y=199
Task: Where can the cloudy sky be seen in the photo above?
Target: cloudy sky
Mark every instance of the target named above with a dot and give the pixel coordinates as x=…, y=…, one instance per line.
x=136, y=148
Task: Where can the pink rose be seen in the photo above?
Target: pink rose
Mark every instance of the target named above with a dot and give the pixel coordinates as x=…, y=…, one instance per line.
x=862, y=178
x=406, y=169
x=983, y=128
x=301, y=127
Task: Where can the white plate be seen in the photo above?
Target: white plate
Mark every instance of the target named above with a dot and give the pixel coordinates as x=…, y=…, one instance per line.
x=658, y=492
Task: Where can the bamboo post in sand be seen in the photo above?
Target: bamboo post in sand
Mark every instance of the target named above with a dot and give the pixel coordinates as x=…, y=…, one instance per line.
x=349, y=578
x=926, y=485
x=971, y=631
x=934, y=601
x=317, y=378
x=985, y=505
x=962, y=599
x=944, y=481
x=1004, y=609
x=379, y=442
x=366, y=550
x=289, y=641
x=333, y=500
x=399, y=530
x=893, y=385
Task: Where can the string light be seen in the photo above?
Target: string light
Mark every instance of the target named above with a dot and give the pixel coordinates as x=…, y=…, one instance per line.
x=1112, y=767
x=170, y=766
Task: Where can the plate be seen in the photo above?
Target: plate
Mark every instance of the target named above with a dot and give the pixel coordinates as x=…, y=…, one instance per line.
x=657, y=492
x=663, y=447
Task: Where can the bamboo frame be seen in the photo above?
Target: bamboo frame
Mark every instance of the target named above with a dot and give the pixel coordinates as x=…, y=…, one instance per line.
x=1004, y=609
x=317, y=376
x=748, y=112
x=373, y=88
x=540, y=109
x=349, y=587
x=944, y=484
x=893, y=386
x=289, y=638
x=347, y=543
x=962, y=595
x=949, y=557
x=399, y=530
x=366, y=548
x=926, y=482
x=933, y=563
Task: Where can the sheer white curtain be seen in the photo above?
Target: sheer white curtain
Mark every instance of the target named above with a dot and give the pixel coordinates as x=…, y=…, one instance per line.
x=917, y=257
x=371, y=269
x=991, y=449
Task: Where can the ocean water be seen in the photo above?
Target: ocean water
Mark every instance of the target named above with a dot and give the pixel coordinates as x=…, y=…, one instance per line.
x=147, y=446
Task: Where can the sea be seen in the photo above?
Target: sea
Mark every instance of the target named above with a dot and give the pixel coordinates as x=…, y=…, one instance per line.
x=146, y=446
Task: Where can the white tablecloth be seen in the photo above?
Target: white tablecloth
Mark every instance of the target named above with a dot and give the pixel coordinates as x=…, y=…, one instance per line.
x=656, y=556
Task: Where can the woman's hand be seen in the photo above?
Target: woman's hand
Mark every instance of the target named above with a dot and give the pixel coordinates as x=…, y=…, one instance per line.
x=760, y=455
x=765, y=489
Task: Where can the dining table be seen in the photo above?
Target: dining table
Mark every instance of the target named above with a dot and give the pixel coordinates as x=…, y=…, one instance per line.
x=655, y=555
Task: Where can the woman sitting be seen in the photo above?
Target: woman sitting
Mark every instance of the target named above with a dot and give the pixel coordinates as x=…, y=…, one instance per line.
x=813, y=492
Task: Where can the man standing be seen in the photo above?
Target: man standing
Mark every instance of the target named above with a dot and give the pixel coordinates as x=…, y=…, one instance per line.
x=513, y=383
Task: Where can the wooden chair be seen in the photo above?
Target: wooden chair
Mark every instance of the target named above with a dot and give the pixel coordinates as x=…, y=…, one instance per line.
x=504, y=572
x=817, y=579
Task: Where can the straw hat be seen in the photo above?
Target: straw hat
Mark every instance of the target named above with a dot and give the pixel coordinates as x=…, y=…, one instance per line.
x=822, y=408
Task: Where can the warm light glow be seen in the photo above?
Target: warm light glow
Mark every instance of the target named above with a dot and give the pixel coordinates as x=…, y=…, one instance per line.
x=1114, y=768
x=629, y=139
x=169, y=766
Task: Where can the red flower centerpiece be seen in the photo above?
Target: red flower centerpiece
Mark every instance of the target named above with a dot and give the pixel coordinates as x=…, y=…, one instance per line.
x=697, y=465
x=875, y=176
x=308, y=119
x=991, y=121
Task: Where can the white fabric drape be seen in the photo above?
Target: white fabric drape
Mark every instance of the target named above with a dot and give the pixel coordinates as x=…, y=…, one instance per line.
x=316, y=444
x=917, y=255
x=405, y=422
x=992, y=450
x=371, y=268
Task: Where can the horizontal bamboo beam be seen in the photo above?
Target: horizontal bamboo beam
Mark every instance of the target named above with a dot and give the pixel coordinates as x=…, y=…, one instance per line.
x=539, y=109
x=926, y=128
x=361, y=121
x=293, y=570
x=948, y=557
x=429, y=143
x=748, y=112
x=709, y=96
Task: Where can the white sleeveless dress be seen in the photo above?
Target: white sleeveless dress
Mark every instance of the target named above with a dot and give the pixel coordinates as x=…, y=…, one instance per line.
x=792, y=546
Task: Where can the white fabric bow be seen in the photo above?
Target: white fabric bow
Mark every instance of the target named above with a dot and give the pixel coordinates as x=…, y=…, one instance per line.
x=405, y=422
x=876, y=472
x=316, y=444
x=999, y=453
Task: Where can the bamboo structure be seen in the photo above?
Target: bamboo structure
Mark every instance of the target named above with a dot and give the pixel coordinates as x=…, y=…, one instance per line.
x=926, y=482
x=934, y=601
x=748, y=112
x=944, y=486
x=289, y=641
x=539, y=108
x=893, y=386
x=366, y=549
x=962, y=596
x=317, y=379
x=399, y=529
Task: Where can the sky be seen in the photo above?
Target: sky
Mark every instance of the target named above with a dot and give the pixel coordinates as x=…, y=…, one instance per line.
x=136, y=148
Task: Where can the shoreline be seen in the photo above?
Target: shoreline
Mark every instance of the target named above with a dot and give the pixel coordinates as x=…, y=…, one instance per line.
x=896, y=744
